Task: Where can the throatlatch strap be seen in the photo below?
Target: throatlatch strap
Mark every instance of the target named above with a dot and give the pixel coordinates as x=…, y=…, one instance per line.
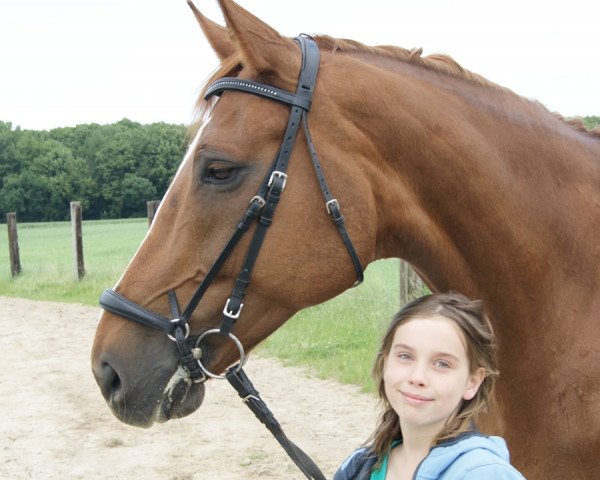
x=332, y=205
x=251, y=397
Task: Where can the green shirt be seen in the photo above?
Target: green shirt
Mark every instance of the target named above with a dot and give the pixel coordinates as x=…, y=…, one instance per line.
x=380, y=473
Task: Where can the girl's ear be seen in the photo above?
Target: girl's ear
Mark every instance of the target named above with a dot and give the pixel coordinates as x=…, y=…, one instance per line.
x=474, y=382
x=217, y=36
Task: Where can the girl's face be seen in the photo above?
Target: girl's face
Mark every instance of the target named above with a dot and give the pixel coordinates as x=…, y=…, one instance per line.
x=426, y=373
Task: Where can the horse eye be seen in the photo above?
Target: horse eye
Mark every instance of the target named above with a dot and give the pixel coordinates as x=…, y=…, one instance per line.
x=219, y=173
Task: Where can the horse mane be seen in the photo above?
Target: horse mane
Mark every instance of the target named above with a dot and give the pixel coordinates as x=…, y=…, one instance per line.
x=441, y=63
x=435, y=62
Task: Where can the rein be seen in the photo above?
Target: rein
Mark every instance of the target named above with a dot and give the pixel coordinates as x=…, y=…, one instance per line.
x=261, y=209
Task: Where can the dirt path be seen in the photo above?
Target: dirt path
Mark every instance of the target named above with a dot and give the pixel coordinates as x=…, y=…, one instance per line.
x=55, y=424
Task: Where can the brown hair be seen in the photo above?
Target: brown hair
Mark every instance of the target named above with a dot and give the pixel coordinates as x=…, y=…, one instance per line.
x=468, y=315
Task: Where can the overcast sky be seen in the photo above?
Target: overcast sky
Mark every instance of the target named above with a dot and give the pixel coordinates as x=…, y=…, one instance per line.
x=67, y=62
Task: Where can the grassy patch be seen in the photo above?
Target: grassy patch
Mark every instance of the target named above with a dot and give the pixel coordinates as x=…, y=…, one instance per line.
x=48, y=271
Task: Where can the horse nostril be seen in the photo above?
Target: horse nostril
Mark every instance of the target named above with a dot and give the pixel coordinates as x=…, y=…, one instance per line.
x=110, y=383
x=115, y=384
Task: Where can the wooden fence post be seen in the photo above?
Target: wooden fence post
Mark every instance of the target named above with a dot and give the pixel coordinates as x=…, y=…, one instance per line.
x=404, y=283
x=13, y=244
x=77, y=239
x=411, y=286
x=152, y=207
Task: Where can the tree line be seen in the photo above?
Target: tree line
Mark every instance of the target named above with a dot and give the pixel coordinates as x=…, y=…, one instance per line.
x=591, y=122
x=111, y=169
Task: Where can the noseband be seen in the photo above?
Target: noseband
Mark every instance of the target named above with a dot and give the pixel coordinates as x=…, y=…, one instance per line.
x=261, y=208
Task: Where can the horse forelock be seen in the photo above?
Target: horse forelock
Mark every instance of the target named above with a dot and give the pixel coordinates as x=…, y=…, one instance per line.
x=230, y=67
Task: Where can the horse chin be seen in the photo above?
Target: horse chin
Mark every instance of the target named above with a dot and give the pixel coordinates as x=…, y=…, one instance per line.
x=180, y=398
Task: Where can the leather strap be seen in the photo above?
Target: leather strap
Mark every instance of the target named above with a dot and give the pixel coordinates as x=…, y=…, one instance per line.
x=242, y=384
x=119, y=305
x=186, y=356
x=255, y=88
x=243, y=280
x=251, y=214
x=332, y=205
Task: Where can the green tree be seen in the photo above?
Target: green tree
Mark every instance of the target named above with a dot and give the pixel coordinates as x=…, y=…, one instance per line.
x=112, y=169
x=110, y=157
x=159, y=150
x=136, y=191
x=9, y=163
x=591, y=122
x=47, y=181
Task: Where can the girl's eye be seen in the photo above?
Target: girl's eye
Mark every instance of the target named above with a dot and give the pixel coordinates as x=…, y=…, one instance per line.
x=404, y=356
x=442, y=364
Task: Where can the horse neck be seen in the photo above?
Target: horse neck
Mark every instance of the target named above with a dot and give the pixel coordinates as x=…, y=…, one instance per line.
x=484, y=187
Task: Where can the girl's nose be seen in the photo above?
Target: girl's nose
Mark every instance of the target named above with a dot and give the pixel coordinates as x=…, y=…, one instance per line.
x=417, y=375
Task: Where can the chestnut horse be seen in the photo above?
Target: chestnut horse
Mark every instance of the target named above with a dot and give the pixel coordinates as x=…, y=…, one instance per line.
x=482, y=191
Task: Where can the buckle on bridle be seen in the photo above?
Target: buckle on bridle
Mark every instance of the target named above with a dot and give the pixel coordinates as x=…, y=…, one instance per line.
x=229, y=313
x=330, y=204
x=279, y=174
x=261, y=201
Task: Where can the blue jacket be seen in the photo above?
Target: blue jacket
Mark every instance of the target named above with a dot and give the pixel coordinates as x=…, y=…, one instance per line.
x=470, y=456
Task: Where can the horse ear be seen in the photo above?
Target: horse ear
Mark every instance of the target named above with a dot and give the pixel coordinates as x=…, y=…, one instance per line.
x=217, y=35
x=263, y=49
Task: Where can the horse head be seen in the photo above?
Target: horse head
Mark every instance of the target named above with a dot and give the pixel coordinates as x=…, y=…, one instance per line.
x=301, y=262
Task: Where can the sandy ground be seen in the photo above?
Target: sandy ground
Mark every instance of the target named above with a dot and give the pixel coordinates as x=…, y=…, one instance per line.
x=55, y=424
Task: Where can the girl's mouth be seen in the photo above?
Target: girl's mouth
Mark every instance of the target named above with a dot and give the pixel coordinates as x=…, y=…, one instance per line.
x=414, y=399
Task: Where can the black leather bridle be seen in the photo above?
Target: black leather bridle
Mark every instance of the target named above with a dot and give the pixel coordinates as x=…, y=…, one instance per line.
x=261, y=208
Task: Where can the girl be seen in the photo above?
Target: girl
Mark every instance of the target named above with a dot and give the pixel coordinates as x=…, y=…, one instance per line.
x=435, y=370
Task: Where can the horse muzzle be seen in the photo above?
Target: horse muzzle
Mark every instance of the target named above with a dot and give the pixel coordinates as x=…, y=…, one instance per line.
x=164, y=393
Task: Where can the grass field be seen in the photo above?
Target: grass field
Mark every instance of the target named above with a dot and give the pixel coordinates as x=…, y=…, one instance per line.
x=48, y=271
x=337, y=339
